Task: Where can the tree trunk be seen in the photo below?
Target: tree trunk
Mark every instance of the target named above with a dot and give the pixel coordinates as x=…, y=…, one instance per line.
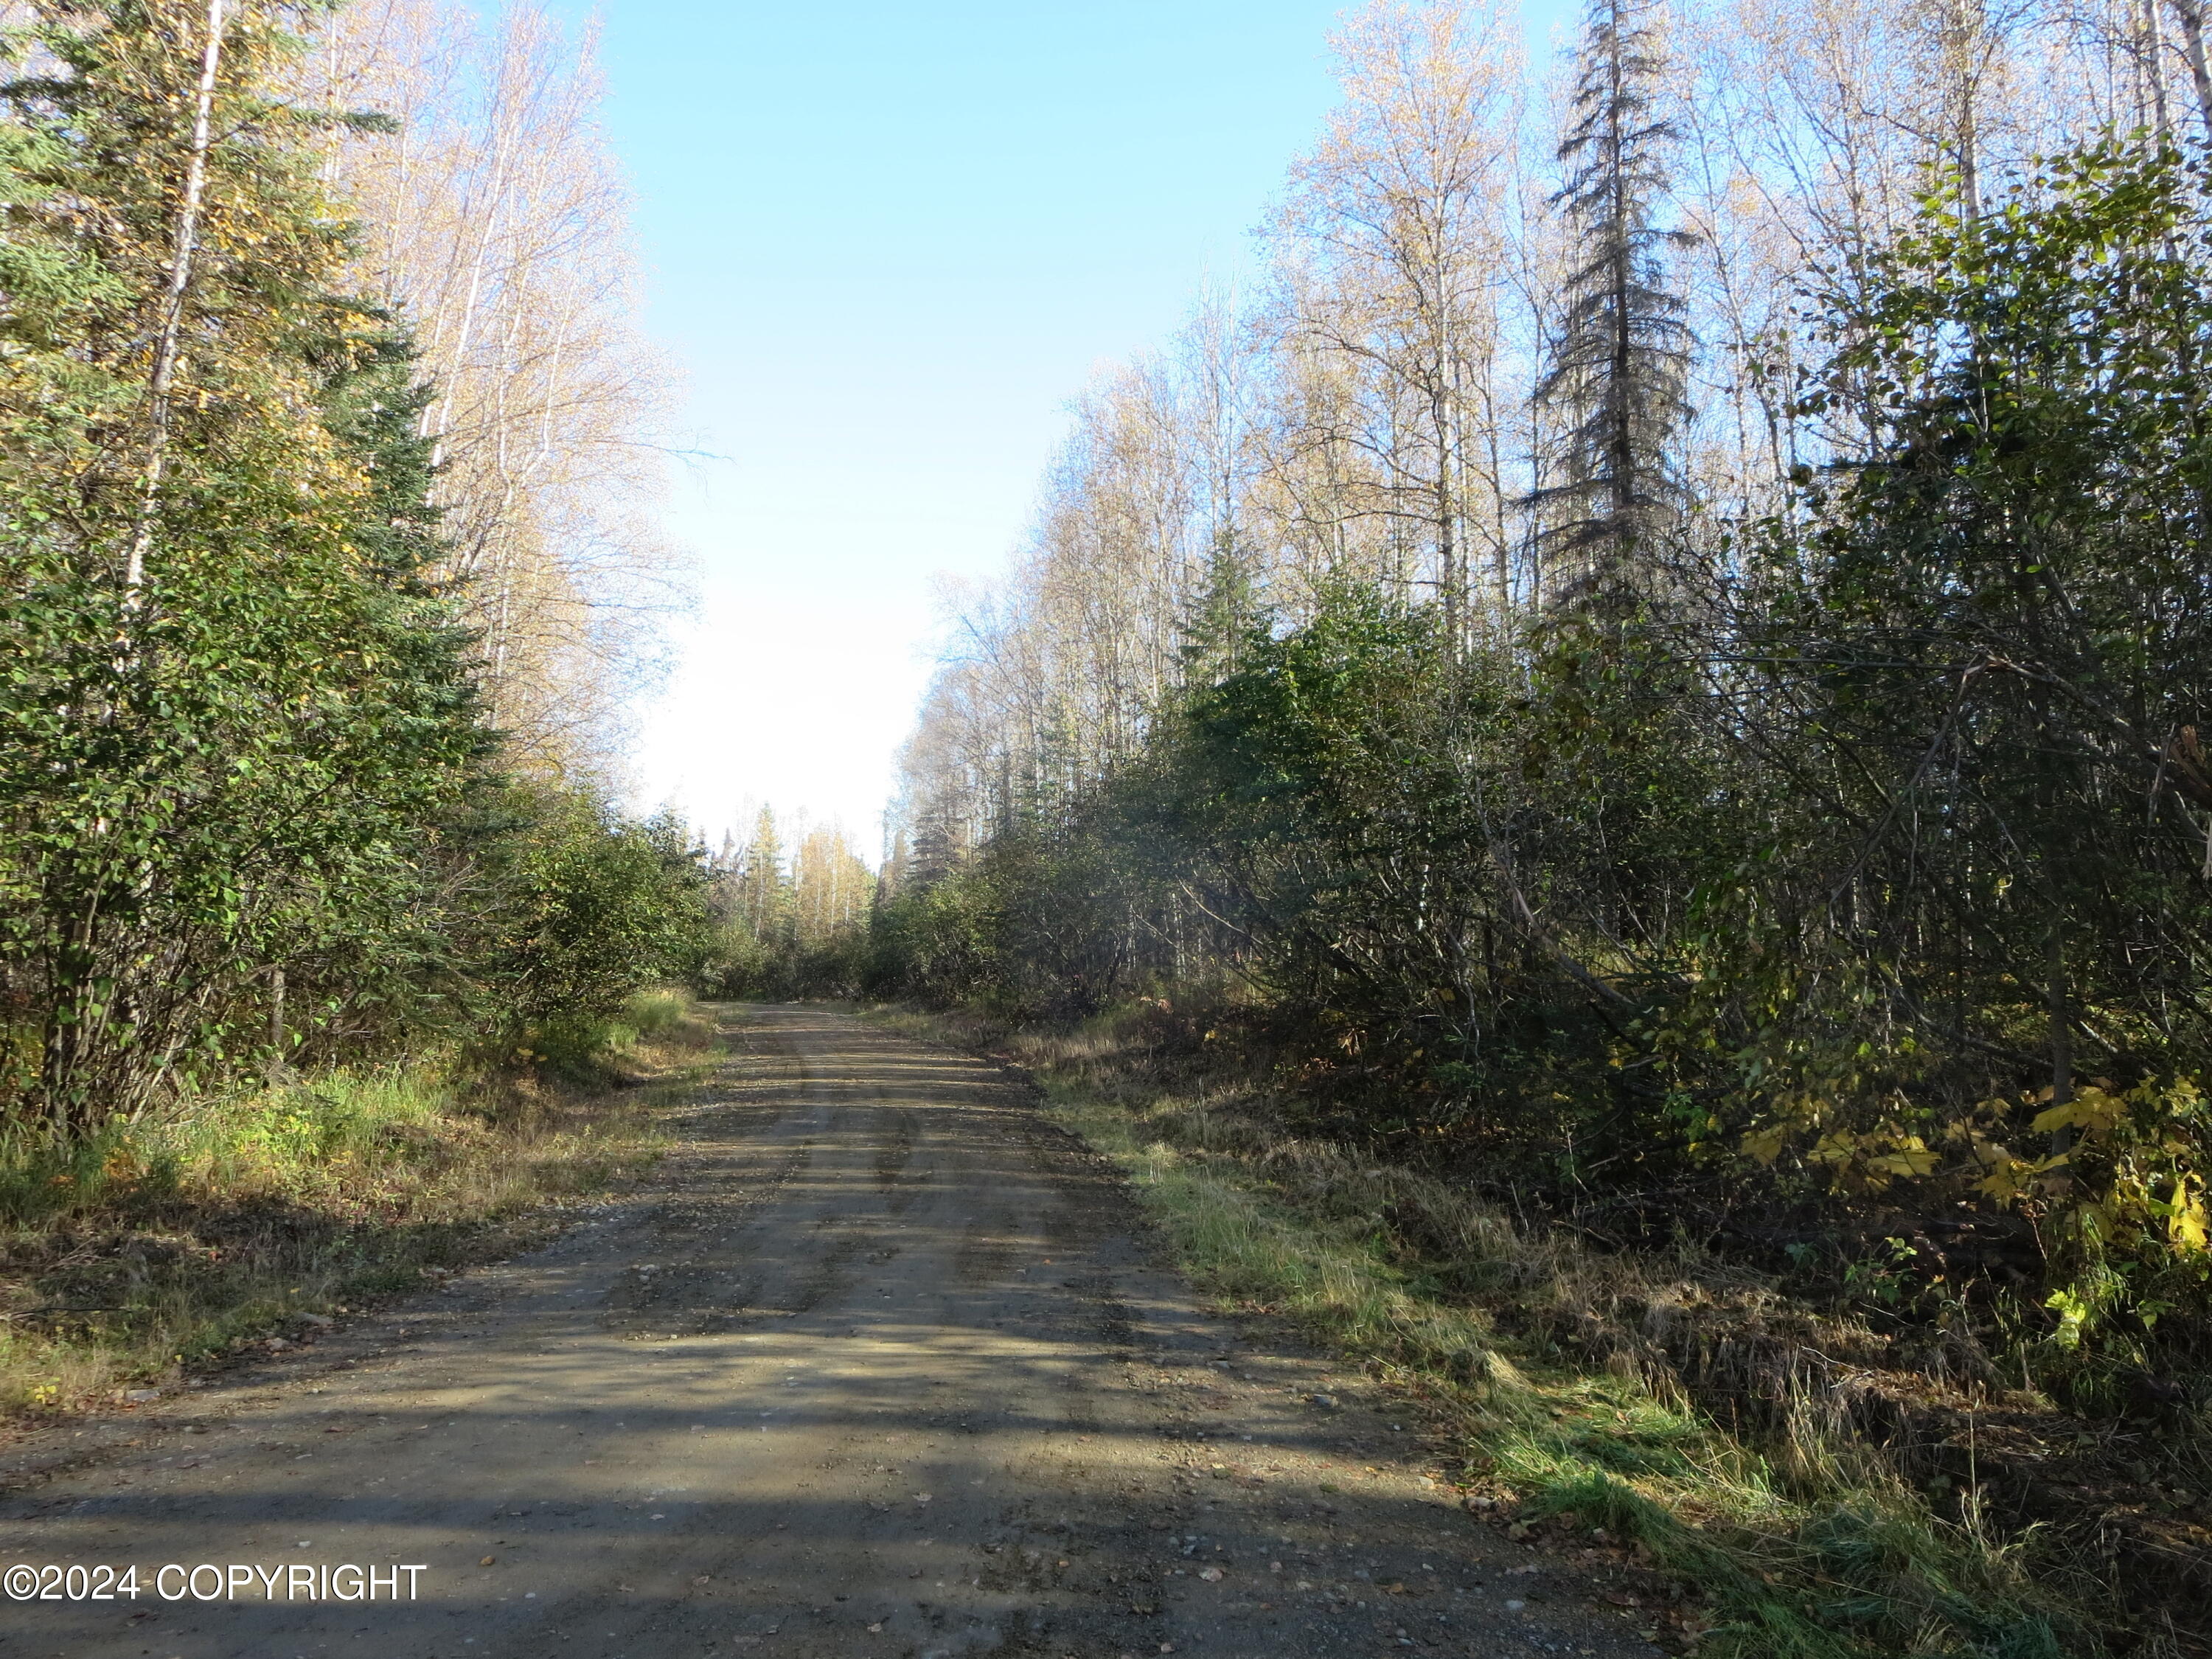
x=184, y=247
x=277, y=1066
x=2062, y=1030
x=2191, y=16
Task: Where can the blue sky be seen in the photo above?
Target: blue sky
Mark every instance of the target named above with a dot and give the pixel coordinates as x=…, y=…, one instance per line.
x=886, y=243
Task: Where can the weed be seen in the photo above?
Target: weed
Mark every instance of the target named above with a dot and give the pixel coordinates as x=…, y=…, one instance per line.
x=162, y=1245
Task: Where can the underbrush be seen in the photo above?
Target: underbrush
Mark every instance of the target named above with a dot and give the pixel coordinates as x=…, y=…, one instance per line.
x=1793, y=1486
x=592, y=1051
x=223, y=1222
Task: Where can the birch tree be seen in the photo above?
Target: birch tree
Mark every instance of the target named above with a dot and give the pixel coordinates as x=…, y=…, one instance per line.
x=1399, y=218
x=496, y=224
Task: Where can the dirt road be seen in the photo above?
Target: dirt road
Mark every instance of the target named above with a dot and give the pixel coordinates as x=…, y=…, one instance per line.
x=877, y=1364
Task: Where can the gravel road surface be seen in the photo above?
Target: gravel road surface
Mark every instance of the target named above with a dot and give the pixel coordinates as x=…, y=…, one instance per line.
x=877, y=1363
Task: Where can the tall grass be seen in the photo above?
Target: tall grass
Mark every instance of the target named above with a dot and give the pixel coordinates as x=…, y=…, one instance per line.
x=156, y=1247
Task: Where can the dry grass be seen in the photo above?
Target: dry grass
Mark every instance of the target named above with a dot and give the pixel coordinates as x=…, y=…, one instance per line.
x=165, y=1245
x=1681, y=1407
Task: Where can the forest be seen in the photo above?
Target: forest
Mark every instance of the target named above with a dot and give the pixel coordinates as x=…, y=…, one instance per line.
x=1651, y=668
x=327, y=471
x=327, y=542
x=1631, y=710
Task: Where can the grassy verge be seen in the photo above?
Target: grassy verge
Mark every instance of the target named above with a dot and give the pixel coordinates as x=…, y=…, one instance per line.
x=165, y=1246
x=1556, y=1377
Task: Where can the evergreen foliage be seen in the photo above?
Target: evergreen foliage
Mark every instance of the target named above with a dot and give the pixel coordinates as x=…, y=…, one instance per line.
x=1621, y=363
x=248, y=812
x=217, y=761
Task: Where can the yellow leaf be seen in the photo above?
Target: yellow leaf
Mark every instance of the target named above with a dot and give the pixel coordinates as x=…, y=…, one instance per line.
x=2190, y=1228
x=1905, y=1161
x=1765, y=1145
x=2007, y=1177
x=1838, y=1146
x=2094, y=1110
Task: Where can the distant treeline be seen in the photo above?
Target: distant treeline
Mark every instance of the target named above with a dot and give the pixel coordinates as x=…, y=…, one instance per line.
x=787, y=925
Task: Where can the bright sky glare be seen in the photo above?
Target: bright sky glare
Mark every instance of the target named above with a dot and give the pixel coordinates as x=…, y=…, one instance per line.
x=887, y=243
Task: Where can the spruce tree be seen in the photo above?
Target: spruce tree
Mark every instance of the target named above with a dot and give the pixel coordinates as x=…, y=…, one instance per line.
x=236, y=710
x=1621, y=356
x=1220, y=615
